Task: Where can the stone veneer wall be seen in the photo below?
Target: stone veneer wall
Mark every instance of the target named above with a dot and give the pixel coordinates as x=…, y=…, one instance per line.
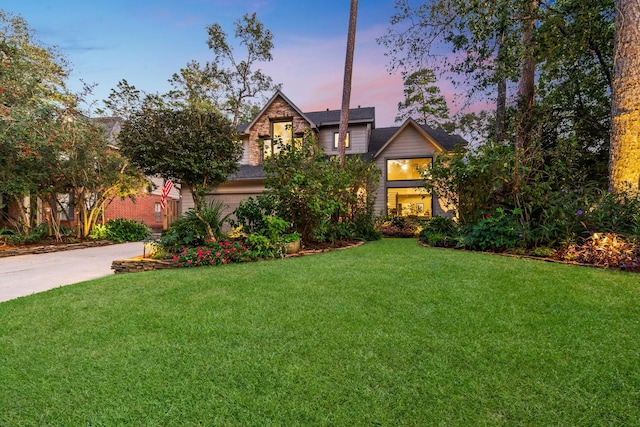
x=278, y=110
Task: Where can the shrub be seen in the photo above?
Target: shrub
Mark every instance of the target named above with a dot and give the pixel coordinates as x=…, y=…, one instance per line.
x=264, y=248
x=126, y=230
x=213, y=253
x=192, y=229
x=399, y=226
x=440, y=231
x=251, y=213
x=314, y=192
x=496, y=232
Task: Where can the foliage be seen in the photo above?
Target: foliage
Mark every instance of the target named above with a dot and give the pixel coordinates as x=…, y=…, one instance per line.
x=194, y=146
x=423, y=101
x=98, y=232
x=399, y=226
x=497, y=232
x=47, y=147
x=440, y=231
x=238, y=82
x=263, y=247
x=321, y=200
x=251, y=213
x=606, y=250
x=213, y=253
x=126, y=230
x=193, y=229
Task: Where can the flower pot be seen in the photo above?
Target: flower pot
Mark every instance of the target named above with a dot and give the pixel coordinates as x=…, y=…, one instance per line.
x=293, y=247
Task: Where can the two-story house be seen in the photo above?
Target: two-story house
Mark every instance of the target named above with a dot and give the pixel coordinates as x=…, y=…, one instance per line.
x=398, y=152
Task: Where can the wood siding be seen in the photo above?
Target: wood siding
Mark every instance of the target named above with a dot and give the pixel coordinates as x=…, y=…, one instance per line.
x=358, y=139
x=409, y=144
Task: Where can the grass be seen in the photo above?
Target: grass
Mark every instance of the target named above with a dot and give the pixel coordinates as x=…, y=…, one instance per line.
x=389, y=333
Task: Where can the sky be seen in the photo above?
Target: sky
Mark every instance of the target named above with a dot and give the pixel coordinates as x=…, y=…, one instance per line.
x=147, y=41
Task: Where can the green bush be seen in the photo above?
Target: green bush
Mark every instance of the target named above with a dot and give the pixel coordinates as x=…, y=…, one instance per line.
x=251, y=213
x=440, y=231
x=495, y=232
x=191, y=229
x=126, y=230
x=321, y=199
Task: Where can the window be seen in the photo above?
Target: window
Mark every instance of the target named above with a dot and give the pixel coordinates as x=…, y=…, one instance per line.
x=281, y=134
x=335, y=140
x=407, y=169
x=158, y=213
x=409, y=201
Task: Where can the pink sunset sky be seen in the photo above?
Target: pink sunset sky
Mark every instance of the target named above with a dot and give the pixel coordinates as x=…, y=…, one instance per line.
x=146, y=41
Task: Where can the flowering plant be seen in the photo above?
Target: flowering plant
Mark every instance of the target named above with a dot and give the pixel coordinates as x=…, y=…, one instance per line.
x=213, y=253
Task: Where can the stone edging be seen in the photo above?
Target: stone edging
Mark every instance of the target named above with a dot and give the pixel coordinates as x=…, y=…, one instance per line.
x=32, y=250
x=138, y=264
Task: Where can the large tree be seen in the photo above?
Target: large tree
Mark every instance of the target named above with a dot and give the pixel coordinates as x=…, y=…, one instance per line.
x=197, y=147
x=239, y=82
x=624, y=167
x=346, y=84
x=423, y=101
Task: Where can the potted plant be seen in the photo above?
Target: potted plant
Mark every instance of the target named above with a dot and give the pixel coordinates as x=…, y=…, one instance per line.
x=292, y=241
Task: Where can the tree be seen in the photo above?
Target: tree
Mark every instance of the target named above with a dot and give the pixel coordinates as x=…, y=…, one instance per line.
x=237, y=81
x=423, y=101
x=122, y=101
x=32, y=90
x=624, y=164
x=346, y=85
x=197, y=147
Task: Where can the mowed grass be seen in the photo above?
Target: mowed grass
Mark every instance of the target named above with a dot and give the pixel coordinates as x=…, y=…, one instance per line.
x=390, y=333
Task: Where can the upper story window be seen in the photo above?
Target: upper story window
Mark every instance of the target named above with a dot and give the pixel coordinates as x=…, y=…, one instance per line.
x=282, y=133
x=335, y=140
x=407, y=169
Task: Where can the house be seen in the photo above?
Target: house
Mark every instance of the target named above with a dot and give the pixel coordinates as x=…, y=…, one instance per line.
x=397, y=151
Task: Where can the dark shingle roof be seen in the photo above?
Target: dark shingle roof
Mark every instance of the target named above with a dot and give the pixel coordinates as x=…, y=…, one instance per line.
x=249, y=172
x=327, y=117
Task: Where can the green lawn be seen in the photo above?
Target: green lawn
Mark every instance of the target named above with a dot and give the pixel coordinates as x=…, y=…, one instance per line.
x=388, y=334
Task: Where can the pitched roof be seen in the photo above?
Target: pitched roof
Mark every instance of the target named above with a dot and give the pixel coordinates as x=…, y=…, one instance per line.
x=381, y=137
x=332, y=117
x=242, y=128
x=248, y=172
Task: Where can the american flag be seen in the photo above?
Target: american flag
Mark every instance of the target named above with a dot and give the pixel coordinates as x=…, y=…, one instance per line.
x=166, y=189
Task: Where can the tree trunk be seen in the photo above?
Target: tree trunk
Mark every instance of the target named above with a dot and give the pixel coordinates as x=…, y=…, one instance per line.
x=526, y=85
x=346, y=86
x=624, y=161
x=501, y=100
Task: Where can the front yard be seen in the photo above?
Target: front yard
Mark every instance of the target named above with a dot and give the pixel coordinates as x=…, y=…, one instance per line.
x=389, y=333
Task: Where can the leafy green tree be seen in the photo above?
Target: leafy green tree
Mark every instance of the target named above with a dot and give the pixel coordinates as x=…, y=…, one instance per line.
x=237, y=80
x=318, y=196
x=423, y=101
x=194, y=146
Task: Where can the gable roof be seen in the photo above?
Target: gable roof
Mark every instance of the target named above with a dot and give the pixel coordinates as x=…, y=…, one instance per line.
x=381, y=138
x=242, y=128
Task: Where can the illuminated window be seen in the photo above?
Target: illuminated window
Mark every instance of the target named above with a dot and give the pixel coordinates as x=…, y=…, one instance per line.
x=410, y=201
x=281, y=134
x=407, y=169
x=335, y=140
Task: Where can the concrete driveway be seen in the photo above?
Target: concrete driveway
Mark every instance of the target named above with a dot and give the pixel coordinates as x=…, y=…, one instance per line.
x=28, y=274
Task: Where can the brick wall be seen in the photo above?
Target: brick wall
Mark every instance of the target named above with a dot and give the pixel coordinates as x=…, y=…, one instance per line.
x=142, y=209
x=278, y=110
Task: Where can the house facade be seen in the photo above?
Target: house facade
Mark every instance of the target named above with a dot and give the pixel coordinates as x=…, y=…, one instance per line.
x=398, y=152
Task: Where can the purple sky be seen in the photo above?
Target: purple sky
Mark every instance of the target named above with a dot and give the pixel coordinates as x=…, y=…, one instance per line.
x=146, y=41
